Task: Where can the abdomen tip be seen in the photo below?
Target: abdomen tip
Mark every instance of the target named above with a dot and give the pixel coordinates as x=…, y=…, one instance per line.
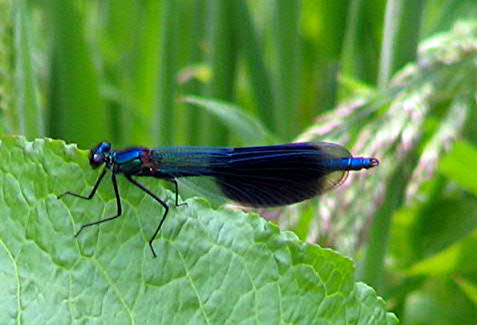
x=374, y=162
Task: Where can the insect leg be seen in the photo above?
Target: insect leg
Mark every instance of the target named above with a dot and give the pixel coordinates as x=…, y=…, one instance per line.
x=93, y=191
x=118, y=203
x=155, y=197
x=173, y=181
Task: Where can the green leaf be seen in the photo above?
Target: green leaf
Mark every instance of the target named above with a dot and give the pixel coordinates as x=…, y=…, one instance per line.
x=31, y=121
x=469, y=288
x=456, y=165
x=76, y=109
x=249, y=43
x=250, y=130
x=214, y=266
x=457, y=258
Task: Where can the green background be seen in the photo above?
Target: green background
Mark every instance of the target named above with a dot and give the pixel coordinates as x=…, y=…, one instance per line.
x=389, y=79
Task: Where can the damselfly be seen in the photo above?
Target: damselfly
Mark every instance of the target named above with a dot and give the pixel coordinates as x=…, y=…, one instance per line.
x=265, y=176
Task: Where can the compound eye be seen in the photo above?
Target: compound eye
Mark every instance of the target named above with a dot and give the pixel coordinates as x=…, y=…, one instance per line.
x=96, y=159
x=97, y=155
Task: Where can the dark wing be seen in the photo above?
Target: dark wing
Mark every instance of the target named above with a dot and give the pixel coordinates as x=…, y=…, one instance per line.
x=279, y=175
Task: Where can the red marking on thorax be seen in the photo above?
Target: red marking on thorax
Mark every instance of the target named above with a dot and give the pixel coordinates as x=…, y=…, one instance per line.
x=146, y=158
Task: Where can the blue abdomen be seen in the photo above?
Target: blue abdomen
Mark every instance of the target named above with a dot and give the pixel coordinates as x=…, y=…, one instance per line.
x=351, y=163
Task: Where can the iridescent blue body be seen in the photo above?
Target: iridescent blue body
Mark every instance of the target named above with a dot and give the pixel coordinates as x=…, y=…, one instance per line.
x=263, y=176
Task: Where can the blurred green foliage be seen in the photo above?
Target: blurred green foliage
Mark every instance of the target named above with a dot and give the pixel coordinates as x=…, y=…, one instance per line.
x=395, y=79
